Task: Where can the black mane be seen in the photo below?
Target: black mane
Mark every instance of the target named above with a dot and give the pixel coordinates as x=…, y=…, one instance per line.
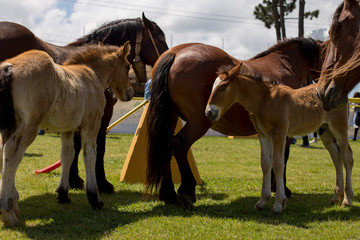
x=126, y=29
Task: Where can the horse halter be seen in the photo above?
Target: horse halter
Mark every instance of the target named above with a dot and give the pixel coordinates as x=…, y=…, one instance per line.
x=139, y=38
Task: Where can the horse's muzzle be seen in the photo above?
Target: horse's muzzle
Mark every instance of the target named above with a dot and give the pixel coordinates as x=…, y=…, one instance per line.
x=212, y=112
x=129, y=94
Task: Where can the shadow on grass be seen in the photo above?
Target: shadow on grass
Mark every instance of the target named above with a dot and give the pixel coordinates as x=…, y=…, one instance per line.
x=33, y=155
x=47, y=219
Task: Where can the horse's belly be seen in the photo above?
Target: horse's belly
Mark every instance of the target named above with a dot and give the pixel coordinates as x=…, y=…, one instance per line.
x=304, y=127
x=63, y=120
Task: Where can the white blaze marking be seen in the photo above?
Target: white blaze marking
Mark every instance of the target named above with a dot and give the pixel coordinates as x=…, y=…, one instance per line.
x=216, y=83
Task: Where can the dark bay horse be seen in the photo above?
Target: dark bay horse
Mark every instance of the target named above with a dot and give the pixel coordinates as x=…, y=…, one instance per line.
x=147, y=42
x=182, y=80
x=278, y=111
x=341, y=69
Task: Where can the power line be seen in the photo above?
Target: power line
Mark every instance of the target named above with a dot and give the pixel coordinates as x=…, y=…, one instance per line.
x=181, y=13
x=133, y=8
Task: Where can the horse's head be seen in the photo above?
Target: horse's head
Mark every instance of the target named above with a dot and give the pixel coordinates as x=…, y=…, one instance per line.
x=340, y=73
x=153, y=42
x=222, y=94
x=119, y=79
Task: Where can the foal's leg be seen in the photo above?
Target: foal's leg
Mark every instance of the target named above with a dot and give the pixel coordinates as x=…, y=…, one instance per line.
x=67, y=155
x=278, y=167
x=13, y=152
x=346, y=158
x=88, y=137
x=181, y=144
x=103, y=184
x=330, y=143
x=266, y=156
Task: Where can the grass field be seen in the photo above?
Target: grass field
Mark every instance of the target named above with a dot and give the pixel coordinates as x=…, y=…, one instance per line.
x=230, y=170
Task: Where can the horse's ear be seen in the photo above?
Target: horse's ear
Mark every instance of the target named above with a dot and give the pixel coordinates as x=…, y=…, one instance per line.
x=126, y=49
x=235, y=71
x=100, y=44
x=148, y=24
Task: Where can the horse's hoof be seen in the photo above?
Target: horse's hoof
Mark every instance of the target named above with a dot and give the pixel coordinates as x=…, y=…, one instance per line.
x=63, y=196
x=94, y=200
x=63, y=199
x=98, y=205
x=76, y=182
x=277, y=210
x=335, y=201
x=105, y=187
x=259, y=205
x=346, y=203
x=186, y=201
x=168, y=197
x=9, y=219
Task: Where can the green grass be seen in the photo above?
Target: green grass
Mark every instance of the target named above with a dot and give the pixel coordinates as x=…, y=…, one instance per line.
x=230, y=170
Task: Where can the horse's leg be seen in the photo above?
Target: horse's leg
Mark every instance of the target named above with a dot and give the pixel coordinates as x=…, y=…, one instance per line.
x=286, y=158
x=103, y=185
x=346, y=157
x=180, y=145
x=278, y=167
x=67, y=155
x=75, y=180
x=88, y=137
x=329, y=142
x=348, y=161
x=13, y=152
x=266, y=155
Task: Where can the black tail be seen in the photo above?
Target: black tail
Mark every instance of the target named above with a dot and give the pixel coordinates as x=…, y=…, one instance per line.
x=7, y=117
x=159, y=123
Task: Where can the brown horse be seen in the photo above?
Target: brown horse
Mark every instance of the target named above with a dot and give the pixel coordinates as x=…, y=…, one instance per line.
x=280, y=111
x=341, y=69
x=147, y=42
x=182, y=80
x=38, y=93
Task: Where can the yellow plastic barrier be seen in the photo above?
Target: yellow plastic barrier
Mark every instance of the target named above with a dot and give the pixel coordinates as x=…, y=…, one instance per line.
x=354, y=100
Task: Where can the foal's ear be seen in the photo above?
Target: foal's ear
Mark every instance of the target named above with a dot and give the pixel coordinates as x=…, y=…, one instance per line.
x=100, y=44
x=126, y=49
x=235, y=71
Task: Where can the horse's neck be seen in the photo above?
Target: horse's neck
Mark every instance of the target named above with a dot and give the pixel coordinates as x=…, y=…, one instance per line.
x=252, y=93
x=289, y=68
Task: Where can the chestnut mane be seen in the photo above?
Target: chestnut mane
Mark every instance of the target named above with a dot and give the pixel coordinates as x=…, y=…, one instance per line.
x=89, y=53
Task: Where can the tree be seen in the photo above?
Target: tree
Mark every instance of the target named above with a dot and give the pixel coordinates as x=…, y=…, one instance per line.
x=274, y=12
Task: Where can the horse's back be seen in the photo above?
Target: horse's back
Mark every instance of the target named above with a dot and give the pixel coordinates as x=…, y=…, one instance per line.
x=15, y=39
x=192, y=75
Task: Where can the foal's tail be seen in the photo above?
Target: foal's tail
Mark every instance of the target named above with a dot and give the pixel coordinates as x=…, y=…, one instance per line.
x=7, y=117
x=159, y=124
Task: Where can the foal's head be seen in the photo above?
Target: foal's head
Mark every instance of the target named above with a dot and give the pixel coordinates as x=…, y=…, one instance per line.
x=223, y=93
x=119, y=78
